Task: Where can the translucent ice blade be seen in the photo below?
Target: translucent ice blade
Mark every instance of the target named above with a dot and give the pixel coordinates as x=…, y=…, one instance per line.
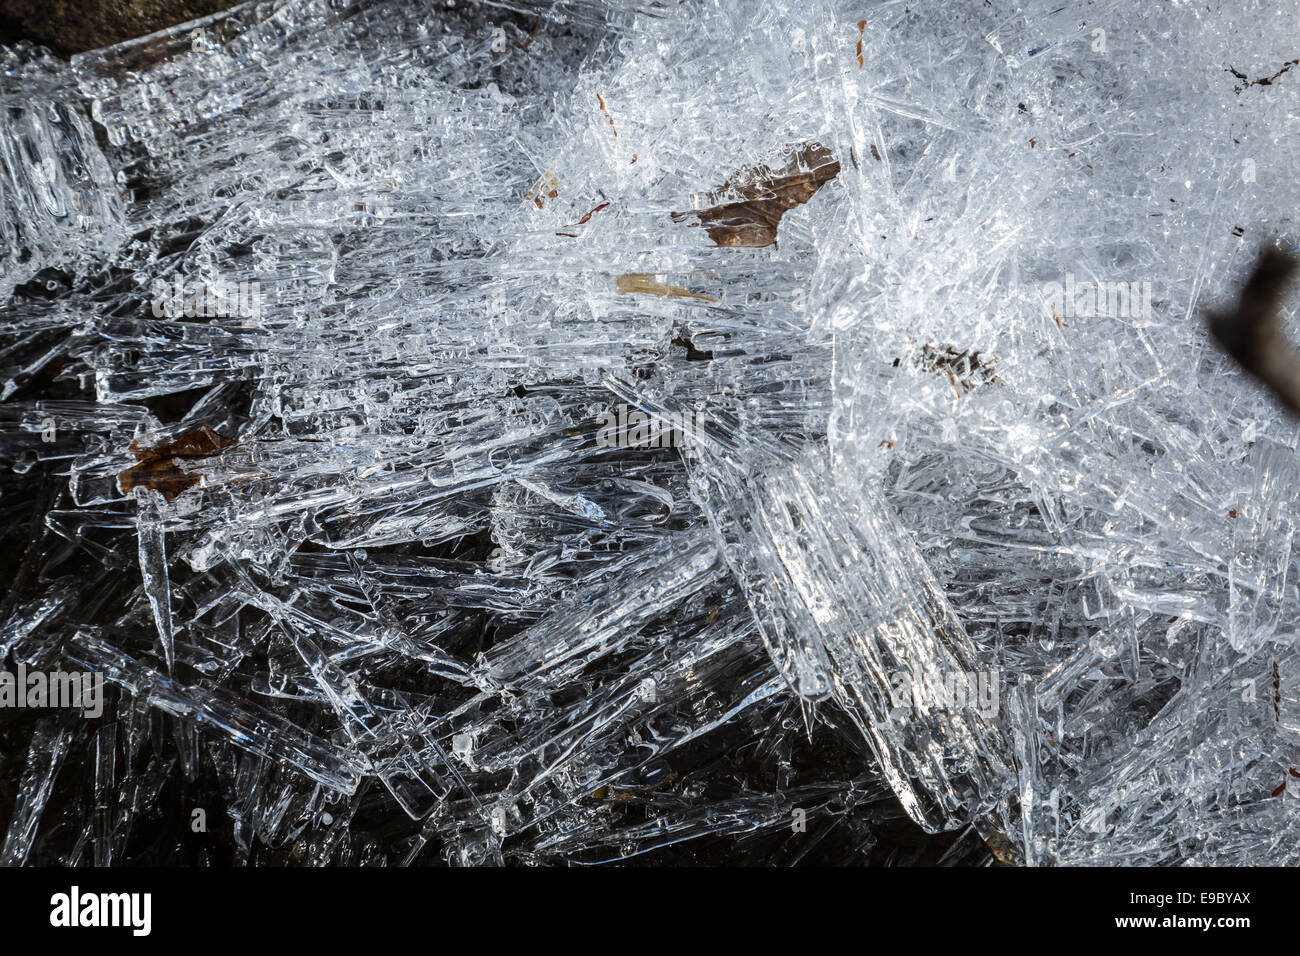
x=850, y=610
x=244, y=723
x=45, y=757
x=153, y=569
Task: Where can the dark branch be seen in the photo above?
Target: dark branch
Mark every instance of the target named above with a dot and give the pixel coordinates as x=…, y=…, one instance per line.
x=1253, y=334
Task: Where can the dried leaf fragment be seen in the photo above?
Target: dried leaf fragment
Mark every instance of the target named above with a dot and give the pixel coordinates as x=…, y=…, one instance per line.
x=960, y=365
x=593, y=212
x=631, y=282
x=1246, y=82
x=765, y=195
x=532, y=35
x=548, y=187
x=604, y=109
x=159, y=466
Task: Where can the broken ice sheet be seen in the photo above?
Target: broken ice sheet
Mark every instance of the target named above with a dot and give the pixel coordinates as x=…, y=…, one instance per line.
x=62, y=203
x=405, y=609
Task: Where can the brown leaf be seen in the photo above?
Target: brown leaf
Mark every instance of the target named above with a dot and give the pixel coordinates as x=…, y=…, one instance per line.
x=765, y=195
x=158, y=467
